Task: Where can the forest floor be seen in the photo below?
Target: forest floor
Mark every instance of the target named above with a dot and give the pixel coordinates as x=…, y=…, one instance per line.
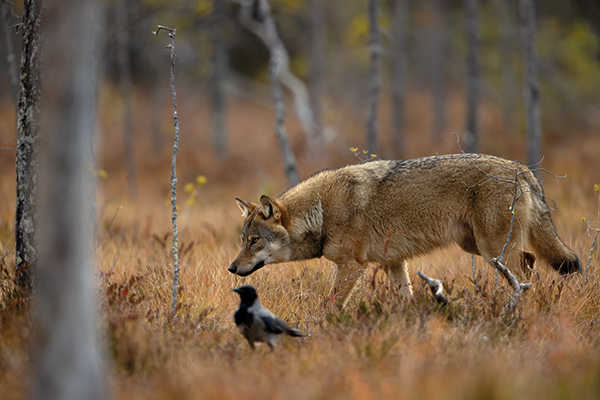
x=379, y=347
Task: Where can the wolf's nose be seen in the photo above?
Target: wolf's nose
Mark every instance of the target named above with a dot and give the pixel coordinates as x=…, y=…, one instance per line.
x=232, y=268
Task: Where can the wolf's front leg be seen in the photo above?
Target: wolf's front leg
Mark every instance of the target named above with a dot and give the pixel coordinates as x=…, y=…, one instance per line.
x=346, y=276
x=399, y=279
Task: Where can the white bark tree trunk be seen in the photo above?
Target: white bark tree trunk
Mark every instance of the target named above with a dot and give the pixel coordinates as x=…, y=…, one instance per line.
x=67, y=358
x=267, y=32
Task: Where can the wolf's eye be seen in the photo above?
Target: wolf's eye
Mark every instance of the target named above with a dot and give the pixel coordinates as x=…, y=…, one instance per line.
x=253, y=240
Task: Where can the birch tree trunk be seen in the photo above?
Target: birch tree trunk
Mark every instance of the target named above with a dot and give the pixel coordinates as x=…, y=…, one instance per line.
x=471, y=125
x=267, y=32
x=374, y=77
x=28, y=127
x=399, y=75
x=531, y=89
x=67, y=361
x=279, y=62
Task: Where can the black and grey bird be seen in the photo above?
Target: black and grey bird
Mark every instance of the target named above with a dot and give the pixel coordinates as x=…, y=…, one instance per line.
x=257, y=323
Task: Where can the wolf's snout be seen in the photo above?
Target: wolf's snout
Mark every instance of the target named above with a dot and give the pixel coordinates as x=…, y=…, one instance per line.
x=232, y=268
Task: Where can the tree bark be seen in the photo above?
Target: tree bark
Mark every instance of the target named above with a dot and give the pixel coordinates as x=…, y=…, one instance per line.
x=219, y=76
x=471, y=128
x=28, y=133
x=399, y=76
x=531, y=90
x=374, y=77
x=67, y=361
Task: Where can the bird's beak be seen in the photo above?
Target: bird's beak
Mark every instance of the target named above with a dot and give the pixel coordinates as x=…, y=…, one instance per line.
x=237, y=290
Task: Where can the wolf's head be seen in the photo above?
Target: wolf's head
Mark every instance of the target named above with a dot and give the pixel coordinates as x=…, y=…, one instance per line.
x=265, y=240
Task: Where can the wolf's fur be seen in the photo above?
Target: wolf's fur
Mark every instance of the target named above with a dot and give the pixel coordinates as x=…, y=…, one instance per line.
x=390, y=211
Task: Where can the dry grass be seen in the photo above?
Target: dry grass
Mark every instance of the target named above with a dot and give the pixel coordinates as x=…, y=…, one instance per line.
x=379, y=348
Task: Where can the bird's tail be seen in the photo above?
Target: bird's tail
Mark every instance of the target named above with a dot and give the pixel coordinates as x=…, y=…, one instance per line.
x=295, y=332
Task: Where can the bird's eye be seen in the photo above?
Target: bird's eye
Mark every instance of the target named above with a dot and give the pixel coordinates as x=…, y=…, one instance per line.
x=253, y=240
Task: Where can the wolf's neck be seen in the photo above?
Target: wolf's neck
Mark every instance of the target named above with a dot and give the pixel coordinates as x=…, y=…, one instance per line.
x=305, y=213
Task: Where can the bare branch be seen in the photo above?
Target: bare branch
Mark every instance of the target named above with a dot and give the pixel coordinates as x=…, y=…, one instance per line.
x=436, y=287
x=587, y=267
x=589, y=227
x=171, y=46
x=518, y=288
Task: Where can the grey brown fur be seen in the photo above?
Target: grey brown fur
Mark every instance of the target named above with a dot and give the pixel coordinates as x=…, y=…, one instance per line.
x=390, y=211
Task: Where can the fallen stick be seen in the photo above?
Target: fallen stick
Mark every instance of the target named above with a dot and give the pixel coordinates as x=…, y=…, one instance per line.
x=518, y=288
x=436, y=287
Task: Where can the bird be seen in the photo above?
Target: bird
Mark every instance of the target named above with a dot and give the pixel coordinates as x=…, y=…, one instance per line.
x=257, y=323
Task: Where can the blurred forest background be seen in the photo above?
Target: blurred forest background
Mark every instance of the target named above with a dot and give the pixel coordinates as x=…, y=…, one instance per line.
x=225, y=101
x=547, y=348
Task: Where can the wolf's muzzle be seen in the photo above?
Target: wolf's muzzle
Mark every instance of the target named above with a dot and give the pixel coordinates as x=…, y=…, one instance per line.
x=234, y=269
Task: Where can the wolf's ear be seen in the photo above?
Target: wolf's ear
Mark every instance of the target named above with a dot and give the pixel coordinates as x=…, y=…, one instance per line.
x=270, y=207
x=246, y=206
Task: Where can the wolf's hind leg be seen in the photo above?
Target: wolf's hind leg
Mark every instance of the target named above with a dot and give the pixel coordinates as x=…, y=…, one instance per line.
x=346, y=276
x=398, y=277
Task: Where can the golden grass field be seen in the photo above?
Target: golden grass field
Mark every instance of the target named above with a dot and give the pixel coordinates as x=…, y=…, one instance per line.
x=379, y=348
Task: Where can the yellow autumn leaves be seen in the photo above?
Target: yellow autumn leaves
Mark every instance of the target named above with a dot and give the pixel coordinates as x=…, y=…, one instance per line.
x=365, y=156
x=193, y=189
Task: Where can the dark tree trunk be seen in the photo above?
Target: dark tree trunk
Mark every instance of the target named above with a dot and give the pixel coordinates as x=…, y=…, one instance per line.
x=67, y=361
x=399, y=76
x=438, y=75
x=317, y=52
x=122, y=11
x=219, y=77
x=11, y=59
x=505, y=21
x=531, y=90
x=28, y=126
x=374, y=77
x=471, y=125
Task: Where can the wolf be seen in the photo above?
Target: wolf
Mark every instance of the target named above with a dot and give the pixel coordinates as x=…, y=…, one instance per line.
x=388, y=212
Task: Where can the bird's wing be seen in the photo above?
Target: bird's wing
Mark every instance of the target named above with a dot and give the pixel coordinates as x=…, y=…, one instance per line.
x=275, y=325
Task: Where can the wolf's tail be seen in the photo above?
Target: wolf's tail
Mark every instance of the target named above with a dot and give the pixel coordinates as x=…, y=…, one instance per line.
x=544, y=238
